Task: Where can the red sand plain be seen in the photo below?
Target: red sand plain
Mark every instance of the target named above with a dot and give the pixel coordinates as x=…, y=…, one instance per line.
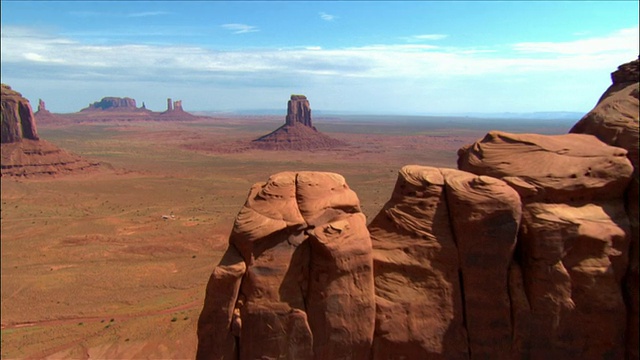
x=114, y=263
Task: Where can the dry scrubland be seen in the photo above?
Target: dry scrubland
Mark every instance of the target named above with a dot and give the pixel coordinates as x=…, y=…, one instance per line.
x=91, y=268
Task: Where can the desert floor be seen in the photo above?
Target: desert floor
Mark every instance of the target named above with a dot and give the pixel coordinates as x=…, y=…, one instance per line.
x=113, y=263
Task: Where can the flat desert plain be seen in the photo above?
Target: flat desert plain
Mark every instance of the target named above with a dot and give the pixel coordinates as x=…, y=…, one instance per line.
x=113, y=263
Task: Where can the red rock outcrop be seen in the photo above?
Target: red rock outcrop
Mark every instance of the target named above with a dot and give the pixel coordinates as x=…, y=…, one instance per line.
x=23, y=153
x=573, y=242
x=296, y=281
x=18, y=121
x=113, y=104
x=614, y=120
x=298, y=132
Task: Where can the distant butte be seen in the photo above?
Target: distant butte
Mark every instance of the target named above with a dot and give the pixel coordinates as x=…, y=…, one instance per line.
x=114, y=104
x=175, y=112
x=298, y=132
x=44, y=116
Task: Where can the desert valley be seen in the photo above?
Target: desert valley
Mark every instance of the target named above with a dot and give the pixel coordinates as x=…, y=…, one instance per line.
x=114, y=217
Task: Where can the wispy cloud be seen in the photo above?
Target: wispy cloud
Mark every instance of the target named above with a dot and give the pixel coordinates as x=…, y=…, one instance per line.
x=327, y=17
x=434, y=72
x=375, y=61
x=240, y=28
x=424, y=37
x=625, y=39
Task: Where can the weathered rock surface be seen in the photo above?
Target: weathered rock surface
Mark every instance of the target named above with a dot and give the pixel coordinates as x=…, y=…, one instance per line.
x=573, y=243
x=23, y=153
x=418, y=296
x=614, y=121
x=18, y=121
x=113, y=104
x=296, y=281
x=485, y=216
x=298, y=132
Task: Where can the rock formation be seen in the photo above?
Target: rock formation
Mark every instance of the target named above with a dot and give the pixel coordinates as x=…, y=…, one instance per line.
x=614, y=120
x=175, y=112
x=17, y=117
x=297, y=277
x=23, y=153
x=573, y=243
x=526, y=252
x=298, y=132
x=44, y=116
x=113, y=104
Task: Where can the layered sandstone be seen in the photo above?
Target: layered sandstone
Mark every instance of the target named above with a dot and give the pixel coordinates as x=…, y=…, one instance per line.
x=298, y=132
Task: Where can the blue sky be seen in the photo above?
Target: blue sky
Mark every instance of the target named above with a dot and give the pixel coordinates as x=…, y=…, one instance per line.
x=417, y=57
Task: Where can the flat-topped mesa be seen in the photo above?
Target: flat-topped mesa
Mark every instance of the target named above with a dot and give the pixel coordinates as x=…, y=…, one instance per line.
x=298, y=111
x=177, y=105
x=113, y=103
x=18, y=121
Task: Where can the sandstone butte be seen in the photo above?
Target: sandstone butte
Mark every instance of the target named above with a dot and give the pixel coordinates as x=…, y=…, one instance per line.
x=23, y=152
x=528, y=251
x=44, y=116
x=298, y=132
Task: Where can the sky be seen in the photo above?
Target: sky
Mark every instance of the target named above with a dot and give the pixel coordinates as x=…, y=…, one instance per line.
x=378, y=57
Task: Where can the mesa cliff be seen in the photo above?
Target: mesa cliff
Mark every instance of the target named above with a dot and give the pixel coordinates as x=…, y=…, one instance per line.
x=23, y=152
x=298, y=132
x=529, y=250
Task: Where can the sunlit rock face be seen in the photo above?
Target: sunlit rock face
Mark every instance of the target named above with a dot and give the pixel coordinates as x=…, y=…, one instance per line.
x=18, y=121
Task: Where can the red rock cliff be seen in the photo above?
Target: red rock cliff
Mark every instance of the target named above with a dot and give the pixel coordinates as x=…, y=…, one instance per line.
x=18, y=121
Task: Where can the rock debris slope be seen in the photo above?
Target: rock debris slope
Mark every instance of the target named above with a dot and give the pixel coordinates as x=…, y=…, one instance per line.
x=528, y=251
x=23, y=152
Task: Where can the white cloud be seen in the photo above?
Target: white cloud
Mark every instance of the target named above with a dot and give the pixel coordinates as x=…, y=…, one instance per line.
x=327, y=17
x=30, y=54
x=240, y=28
x=424, y=37
x=622, y=40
